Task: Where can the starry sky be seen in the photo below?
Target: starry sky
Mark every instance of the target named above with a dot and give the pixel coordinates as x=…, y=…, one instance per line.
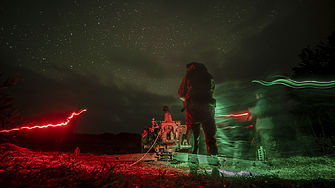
x=124, y=60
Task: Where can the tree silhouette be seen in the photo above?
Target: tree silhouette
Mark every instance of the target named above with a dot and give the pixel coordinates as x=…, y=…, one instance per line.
x=318, y=63
x=8, y=116
x=315, y=108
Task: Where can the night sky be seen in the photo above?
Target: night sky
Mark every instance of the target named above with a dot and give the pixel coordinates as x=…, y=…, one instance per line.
x=124, y=60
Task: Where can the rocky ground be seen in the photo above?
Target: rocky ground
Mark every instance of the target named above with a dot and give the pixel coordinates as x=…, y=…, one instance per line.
x=22, y=167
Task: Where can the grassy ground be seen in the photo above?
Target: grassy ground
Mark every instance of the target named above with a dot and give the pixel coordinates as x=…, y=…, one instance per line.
x=20, y=167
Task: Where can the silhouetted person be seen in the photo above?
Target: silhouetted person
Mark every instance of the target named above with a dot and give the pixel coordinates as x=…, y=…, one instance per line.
x=263, y=111
x=166, y=115
x=197, y=92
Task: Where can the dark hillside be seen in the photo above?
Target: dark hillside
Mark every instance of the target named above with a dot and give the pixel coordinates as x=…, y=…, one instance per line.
x=98, y=144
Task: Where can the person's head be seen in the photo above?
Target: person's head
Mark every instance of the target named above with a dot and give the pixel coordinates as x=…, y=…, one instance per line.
x=195, y=66
x=165, y=108
x=260, y=93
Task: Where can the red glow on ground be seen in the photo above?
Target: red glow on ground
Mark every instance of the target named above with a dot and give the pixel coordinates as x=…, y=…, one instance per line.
x=234, y=115
x=48, y=125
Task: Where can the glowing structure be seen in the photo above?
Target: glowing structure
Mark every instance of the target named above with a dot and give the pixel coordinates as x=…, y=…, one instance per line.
x=48, y=125
x=261, y=153
x=234, y=115
x=297, y=84
x=166, y=136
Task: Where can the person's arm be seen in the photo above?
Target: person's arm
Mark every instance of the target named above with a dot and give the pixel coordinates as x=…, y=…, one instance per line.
x=260, y=108
x=182, y=89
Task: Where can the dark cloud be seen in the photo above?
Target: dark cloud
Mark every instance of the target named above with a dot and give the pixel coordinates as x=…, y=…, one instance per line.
x=124, y=61
x=109, y=108
x=139, y=61
x=275, y=48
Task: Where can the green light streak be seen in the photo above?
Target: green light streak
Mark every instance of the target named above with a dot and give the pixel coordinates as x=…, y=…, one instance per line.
x=297, y=84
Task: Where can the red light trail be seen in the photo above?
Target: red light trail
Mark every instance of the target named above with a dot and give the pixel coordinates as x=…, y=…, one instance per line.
x=234, y=115
x=48, y=125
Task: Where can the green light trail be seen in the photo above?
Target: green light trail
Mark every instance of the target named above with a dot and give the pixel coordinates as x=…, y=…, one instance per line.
x=298, y=84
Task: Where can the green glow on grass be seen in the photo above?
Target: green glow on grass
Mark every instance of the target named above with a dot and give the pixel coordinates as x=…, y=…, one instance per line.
x=298, y=84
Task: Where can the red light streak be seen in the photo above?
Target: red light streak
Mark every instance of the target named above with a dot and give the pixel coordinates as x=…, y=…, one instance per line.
x=48, y=125
x=234, y=115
